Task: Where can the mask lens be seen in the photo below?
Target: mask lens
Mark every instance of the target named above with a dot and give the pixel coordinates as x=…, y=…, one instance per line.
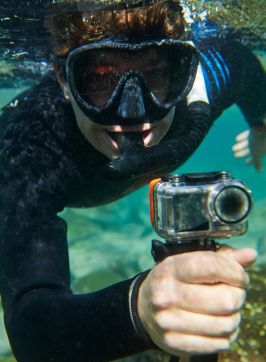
x=169, y=72
x=157, y=72
x=182, y=63
x=165, y=69
x=96, y=75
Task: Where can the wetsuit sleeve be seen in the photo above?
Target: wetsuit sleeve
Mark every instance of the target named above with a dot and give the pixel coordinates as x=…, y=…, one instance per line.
x=233, y=74
x=45, y=321
x=252, y=98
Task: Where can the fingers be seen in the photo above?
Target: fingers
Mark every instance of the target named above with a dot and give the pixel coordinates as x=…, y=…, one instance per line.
x=191, y=302
x=244, y=257
x=193, y=333
x=195, y=344
x=185, y=322
x=241, y=149
x=242, y=153
x=241, y=145
x=216, y=300
x=251, y=144
x=206, y=267
x=243, y=136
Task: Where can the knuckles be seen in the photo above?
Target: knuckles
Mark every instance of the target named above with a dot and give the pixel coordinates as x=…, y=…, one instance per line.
x=160, y=322
x=231, y=300
x=230, y=325
x=164, y=294
x=167, y=288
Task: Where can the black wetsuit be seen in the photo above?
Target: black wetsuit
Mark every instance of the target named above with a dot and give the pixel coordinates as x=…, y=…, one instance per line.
x=45, y=165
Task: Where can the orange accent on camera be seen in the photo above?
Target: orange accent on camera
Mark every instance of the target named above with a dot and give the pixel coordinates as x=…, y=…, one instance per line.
x=152, y=185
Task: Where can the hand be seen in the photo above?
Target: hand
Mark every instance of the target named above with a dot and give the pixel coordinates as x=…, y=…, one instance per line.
x=191, y=302
x=251, y=144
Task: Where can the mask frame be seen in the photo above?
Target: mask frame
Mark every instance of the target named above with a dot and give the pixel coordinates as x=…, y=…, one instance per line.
x=152, y=109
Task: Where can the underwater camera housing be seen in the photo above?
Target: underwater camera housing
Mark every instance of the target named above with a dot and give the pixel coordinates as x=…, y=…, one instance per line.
x=199, y=206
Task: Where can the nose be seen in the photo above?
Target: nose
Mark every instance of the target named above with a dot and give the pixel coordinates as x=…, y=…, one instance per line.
x=131, y=103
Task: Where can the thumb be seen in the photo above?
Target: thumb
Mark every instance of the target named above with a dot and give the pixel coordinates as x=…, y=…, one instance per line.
x=244, y=257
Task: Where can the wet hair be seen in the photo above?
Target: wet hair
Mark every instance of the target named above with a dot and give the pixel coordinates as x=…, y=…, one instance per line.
x=142, y=22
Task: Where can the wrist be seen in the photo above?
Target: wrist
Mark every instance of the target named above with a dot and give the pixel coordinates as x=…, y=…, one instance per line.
x=134, y=312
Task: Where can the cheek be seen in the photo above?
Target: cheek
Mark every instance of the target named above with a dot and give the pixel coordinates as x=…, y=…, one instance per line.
x=167, y=122
x=88, y=132
x=161, y=129
x=91, y=134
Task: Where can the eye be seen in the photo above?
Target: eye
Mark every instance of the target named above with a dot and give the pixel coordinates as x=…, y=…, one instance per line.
x=98, y=82
x=104, y=69
x=159, y=77
x=156, y=74
x=104, y=81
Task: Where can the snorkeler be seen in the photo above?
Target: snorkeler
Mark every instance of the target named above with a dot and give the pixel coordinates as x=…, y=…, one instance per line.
x=128, y=112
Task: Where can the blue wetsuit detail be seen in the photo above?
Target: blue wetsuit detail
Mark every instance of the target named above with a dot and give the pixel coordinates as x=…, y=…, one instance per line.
x=216, y=73
x=208, y=67
x=219, y=67
x=225, y=67
x=233, y=74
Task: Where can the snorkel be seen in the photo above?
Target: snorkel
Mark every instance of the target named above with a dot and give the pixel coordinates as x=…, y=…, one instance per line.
x=169, y=154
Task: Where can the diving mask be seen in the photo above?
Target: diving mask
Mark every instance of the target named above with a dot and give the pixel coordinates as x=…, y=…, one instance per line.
x=116, y=82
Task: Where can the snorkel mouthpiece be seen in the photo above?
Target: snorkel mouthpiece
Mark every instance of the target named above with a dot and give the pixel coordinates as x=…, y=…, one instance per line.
x=131, y=103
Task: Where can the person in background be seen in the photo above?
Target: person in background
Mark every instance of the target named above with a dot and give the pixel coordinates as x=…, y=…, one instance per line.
x=129, y=100
x=251, y=145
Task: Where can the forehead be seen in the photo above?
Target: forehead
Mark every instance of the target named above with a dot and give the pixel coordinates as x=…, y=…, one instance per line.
x=72, y=29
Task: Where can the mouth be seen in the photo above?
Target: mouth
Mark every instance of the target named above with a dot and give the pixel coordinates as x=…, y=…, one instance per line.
x=114, y=140
x=142, y=135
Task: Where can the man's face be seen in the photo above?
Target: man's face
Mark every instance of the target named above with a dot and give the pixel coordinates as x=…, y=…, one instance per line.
x=95, y=78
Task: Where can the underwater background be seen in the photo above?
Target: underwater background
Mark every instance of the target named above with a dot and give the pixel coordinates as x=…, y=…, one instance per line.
x=113, y=242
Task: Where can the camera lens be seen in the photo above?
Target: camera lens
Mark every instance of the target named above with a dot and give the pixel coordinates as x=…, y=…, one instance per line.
x=232, y=204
